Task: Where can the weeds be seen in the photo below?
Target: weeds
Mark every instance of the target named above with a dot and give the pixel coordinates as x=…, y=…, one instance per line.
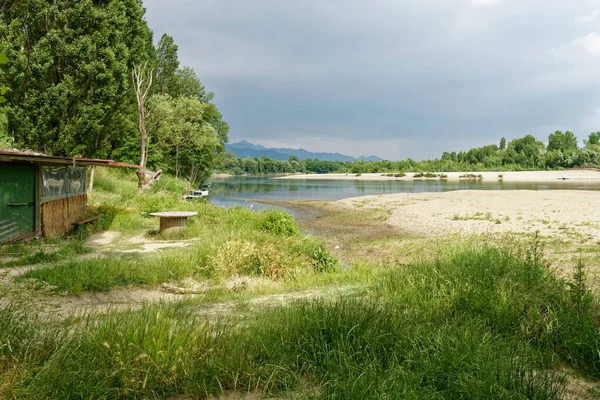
x=425, y=175
x=43, y=253
x=471, y=177
x=474, y=322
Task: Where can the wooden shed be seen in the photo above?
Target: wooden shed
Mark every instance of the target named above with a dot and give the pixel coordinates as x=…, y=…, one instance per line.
x=41, y=194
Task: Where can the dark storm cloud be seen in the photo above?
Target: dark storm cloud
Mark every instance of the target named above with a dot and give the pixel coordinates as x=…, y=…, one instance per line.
x=393, y=78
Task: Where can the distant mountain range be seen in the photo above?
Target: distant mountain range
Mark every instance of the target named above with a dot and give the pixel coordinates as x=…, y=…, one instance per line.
x=246, y=149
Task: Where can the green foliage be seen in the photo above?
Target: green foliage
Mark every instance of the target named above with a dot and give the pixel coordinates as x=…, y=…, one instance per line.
x=425, y=175
x=3, y=88
x=187, y=84
x=169, y=184
x=167, y=62
x=324, y=261
x=476, y=321
x=279, y=223
x=512, y=292
x=182, y=140
x=519, y=154
x=69, y=74
x=6, y=142
x=228, y=242
x=565, y=142
x=71, y=92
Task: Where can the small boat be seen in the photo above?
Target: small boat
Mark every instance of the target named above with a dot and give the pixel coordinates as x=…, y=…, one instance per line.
x=196, y=194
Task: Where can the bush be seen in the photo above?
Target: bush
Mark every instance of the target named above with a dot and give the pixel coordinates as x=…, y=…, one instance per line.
x=169, y=184
x=323, y=261
x=279, y=223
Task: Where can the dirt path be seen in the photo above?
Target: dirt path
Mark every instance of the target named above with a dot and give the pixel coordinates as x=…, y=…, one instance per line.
x=115, y=242
x=238, y=303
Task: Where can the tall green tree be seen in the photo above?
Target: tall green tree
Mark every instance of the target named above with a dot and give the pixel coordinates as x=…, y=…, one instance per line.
x=564, y=142
x=167, y=62
x=187, y=84
x=70, y=72
x=593, y=141
x=184, y=143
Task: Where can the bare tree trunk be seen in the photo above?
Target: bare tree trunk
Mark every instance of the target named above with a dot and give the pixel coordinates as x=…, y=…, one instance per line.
x=193, y=175
x=142, y=80
x=177, y=161
x=91, y=185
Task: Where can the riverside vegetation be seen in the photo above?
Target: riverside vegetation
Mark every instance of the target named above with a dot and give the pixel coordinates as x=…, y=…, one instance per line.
x=520, y=154
x=478, y=318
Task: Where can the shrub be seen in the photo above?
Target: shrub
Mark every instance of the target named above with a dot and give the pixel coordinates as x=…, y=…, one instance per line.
x=323, y=261
x=169, y=184
x=279, y=223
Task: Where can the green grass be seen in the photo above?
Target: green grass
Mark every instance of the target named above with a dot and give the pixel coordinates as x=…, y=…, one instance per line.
x=226, y=242
x=425, y=175
x=217, y=254
x=476, y=321
x=45, y=252
x=513, y=293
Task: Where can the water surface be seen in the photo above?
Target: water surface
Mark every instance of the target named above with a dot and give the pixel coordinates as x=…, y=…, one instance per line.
x=245, y=191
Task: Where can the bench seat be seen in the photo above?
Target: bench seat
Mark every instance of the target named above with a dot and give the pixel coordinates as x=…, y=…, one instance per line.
x=85, y=221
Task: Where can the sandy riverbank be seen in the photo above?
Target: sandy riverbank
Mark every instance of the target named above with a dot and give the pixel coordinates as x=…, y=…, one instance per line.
x=567, y=214
x=517, y=176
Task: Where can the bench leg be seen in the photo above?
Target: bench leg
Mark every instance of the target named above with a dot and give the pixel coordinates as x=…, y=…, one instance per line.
x=172, y=224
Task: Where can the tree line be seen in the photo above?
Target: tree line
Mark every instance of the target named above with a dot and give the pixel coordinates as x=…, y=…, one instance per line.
x=67, y=69
x=526, y=153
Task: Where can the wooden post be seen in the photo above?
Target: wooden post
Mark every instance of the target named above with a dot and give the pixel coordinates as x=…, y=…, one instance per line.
x=91, y=186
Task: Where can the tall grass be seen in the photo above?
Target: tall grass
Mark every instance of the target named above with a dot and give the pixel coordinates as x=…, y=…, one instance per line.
x=226, y=242
x=347, y=349
x=475, y=322
x=218, y=253
x=511, y=292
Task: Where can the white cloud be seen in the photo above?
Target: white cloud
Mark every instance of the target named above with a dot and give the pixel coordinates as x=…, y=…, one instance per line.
x=585, y=19
x=486, y=2
x=581, y=48
x=590, y=44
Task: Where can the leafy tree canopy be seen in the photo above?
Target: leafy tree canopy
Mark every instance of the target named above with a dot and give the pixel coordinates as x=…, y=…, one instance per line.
x=70, y=72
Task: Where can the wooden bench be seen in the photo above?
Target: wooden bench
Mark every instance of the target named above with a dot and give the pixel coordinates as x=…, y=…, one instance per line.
x=9, y=233
x=25, y=238
x=85, y=221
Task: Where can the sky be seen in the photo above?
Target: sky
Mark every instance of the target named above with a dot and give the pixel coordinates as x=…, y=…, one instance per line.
x=394, y=78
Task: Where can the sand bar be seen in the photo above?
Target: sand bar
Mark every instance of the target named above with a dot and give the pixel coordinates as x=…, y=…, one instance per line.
x=574, y=175
x=568, y=214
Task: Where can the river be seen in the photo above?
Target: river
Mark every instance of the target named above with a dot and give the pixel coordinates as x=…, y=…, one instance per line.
x=250, y=191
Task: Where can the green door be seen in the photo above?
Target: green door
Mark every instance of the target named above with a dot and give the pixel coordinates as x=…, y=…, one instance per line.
x=17, y=198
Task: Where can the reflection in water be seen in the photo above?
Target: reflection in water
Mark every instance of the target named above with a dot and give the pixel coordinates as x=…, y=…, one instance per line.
x=245, y=191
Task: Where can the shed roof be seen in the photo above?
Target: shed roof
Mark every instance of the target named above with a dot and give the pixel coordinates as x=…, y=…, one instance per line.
x=17, y=155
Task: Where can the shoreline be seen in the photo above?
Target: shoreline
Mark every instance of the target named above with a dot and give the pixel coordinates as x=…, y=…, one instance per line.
x=576, y=175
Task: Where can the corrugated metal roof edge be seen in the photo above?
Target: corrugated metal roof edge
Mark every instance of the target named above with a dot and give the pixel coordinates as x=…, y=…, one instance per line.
x=14, y=155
